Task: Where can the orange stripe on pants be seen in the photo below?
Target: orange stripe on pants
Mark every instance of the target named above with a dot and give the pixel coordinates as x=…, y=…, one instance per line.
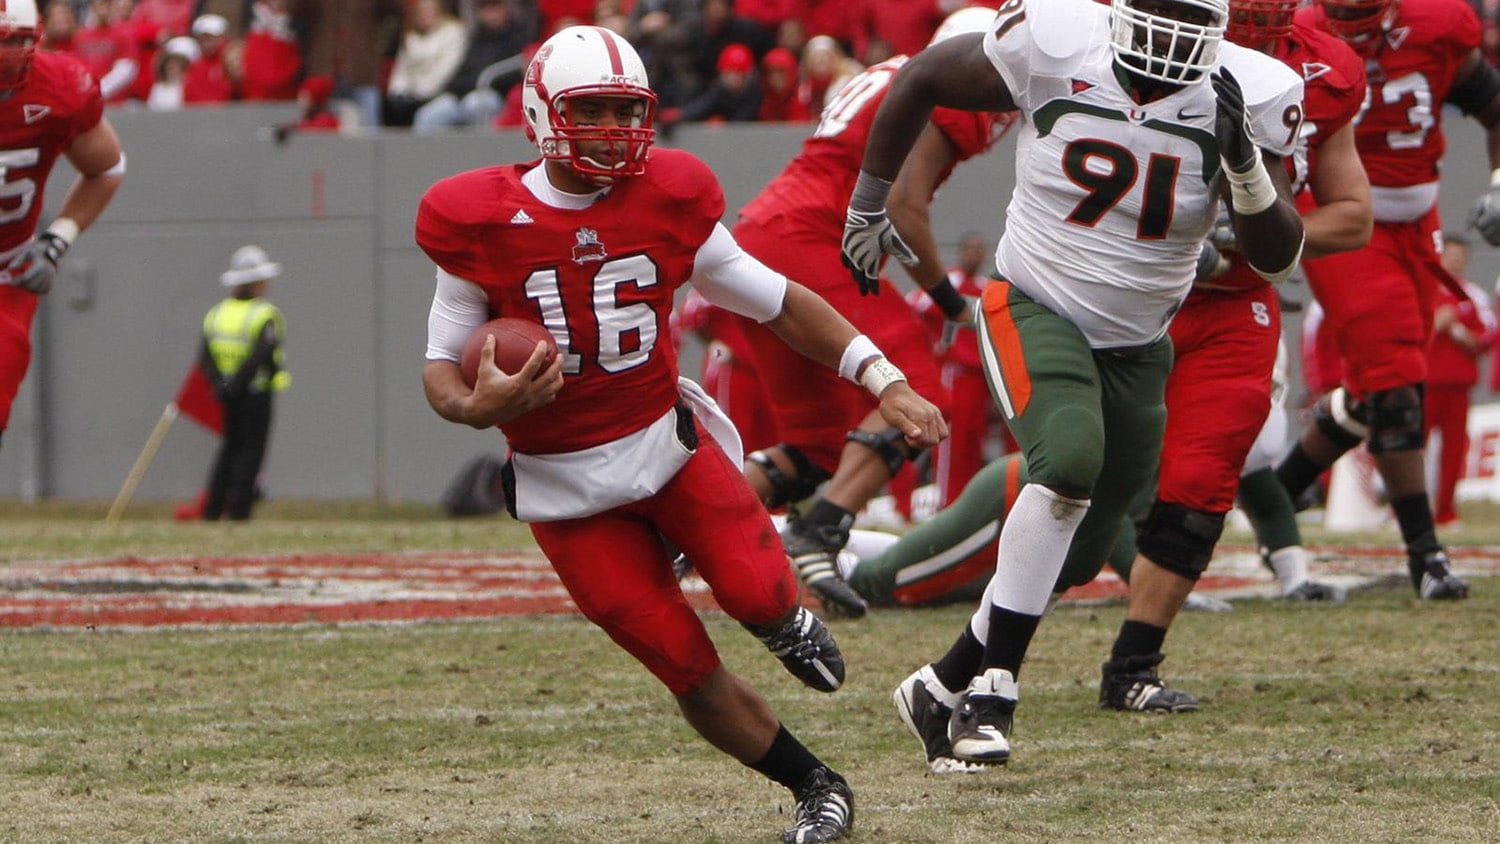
x=1006, y=341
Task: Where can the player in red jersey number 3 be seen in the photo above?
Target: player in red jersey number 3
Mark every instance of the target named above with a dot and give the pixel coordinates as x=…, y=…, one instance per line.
x=611, y=451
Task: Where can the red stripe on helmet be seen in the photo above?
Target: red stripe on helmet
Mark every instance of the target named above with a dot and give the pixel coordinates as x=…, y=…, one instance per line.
x=616, y=63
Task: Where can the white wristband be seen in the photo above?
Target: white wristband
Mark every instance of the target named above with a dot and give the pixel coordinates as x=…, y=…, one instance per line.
x=1252, y=191
x=1495, y=177
x=880, y=374
x=64, y=229
x=859, y=350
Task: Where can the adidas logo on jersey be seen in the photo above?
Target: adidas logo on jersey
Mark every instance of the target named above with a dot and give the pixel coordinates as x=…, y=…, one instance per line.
x=521, y=218
x=32, y=113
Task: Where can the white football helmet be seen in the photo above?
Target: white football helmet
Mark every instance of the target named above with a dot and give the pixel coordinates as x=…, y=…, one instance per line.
x=965, y=20
x=1175, y=41
x=20, y=30
x=582, y=61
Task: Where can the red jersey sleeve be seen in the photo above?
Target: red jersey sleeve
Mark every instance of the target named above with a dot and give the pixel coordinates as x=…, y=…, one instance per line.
x=694, y=191
x=1333, y=76
x=970, y=132
x=448, y=222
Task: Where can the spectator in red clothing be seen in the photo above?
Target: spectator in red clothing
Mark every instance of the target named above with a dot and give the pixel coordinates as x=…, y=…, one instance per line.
x=107, y=47
x=312, y=99
x=171, y=70
x=733, y=96
x=553, y=12
x=904, y=25
x=272, y=58
x=173, y=17
x=768, y=13
x=780, y=99
x=833, y=18
x=210, y=79
x=1461, y=332
x=719, y=27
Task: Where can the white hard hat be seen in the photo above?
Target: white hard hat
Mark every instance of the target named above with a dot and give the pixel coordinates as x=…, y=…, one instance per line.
x=249, y=264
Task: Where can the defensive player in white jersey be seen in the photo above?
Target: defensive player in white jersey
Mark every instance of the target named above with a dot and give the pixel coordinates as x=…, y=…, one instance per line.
x=1135, y=118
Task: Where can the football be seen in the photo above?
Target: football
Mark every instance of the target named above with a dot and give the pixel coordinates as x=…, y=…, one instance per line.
x=514, y=341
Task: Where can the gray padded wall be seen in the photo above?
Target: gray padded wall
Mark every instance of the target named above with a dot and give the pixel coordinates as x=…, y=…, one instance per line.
x=118, y=333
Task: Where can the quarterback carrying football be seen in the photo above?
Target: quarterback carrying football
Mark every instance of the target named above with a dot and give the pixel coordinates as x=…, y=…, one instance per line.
x=610, y=451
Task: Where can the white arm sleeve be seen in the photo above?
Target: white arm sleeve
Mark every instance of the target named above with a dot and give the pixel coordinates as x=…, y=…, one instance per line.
x=119, y=77
x=731, y=278
x=458, y=307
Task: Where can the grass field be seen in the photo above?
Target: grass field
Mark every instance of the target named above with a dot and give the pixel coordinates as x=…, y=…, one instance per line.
x=1376, y=721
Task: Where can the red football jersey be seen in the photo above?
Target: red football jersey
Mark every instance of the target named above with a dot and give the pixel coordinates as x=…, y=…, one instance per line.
x=1333, y=79
x=59, y=101
x=601, y=279
x=1400, y=136
x=815, y=186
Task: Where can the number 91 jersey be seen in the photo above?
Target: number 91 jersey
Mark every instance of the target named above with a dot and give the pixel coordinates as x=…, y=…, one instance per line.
x=600, y=278
x=1113, y=198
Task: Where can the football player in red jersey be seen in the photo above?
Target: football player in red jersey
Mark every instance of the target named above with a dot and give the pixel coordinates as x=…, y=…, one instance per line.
x=610, y=451
x=1379, y=300
x=829, y=429
x=49, y=107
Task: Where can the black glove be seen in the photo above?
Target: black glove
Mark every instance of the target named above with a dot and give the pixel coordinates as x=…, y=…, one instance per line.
x=36, y=268
x=868, y=237
x=1233, y=134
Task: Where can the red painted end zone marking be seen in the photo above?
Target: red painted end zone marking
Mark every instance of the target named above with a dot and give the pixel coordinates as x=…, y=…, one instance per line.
x=292, y=589
x=405, y=587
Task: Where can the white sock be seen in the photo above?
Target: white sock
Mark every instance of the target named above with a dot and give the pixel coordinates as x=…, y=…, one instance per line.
x=1033, y=546
x=1290, y=565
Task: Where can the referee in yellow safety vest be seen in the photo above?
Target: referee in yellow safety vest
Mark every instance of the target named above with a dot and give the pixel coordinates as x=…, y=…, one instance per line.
x=241, y=354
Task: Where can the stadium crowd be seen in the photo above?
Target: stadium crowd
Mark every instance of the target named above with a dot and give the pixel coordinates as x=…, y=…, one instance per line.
x=434, y=64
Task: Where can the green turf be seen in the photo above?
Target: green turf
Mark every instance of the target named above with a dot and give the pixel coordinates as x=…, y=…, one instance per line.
x=1372, y=722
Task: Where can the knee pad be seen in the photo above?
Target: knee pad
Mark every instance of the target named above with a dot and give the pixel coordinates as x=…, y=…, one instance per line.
x=889, y=444
x=1396, y=422
x=1342, y=419
x=783, y=488
x=1179, y=539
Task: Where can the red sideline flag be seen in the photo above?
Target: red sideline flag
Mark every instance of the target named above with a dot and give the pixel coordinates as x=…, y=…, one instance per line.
x=196, y=400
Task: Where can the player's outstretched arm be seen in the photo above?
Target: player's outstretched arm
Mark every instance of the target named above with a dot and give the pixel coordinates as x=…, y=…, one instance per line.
x=909, y=207
x=953, y=73
x=813, y=328
x=1265, y=218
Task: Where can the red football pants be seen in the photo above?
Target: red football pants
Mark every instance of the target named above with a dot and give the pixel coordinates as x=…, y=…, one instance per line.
x=616, y=569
